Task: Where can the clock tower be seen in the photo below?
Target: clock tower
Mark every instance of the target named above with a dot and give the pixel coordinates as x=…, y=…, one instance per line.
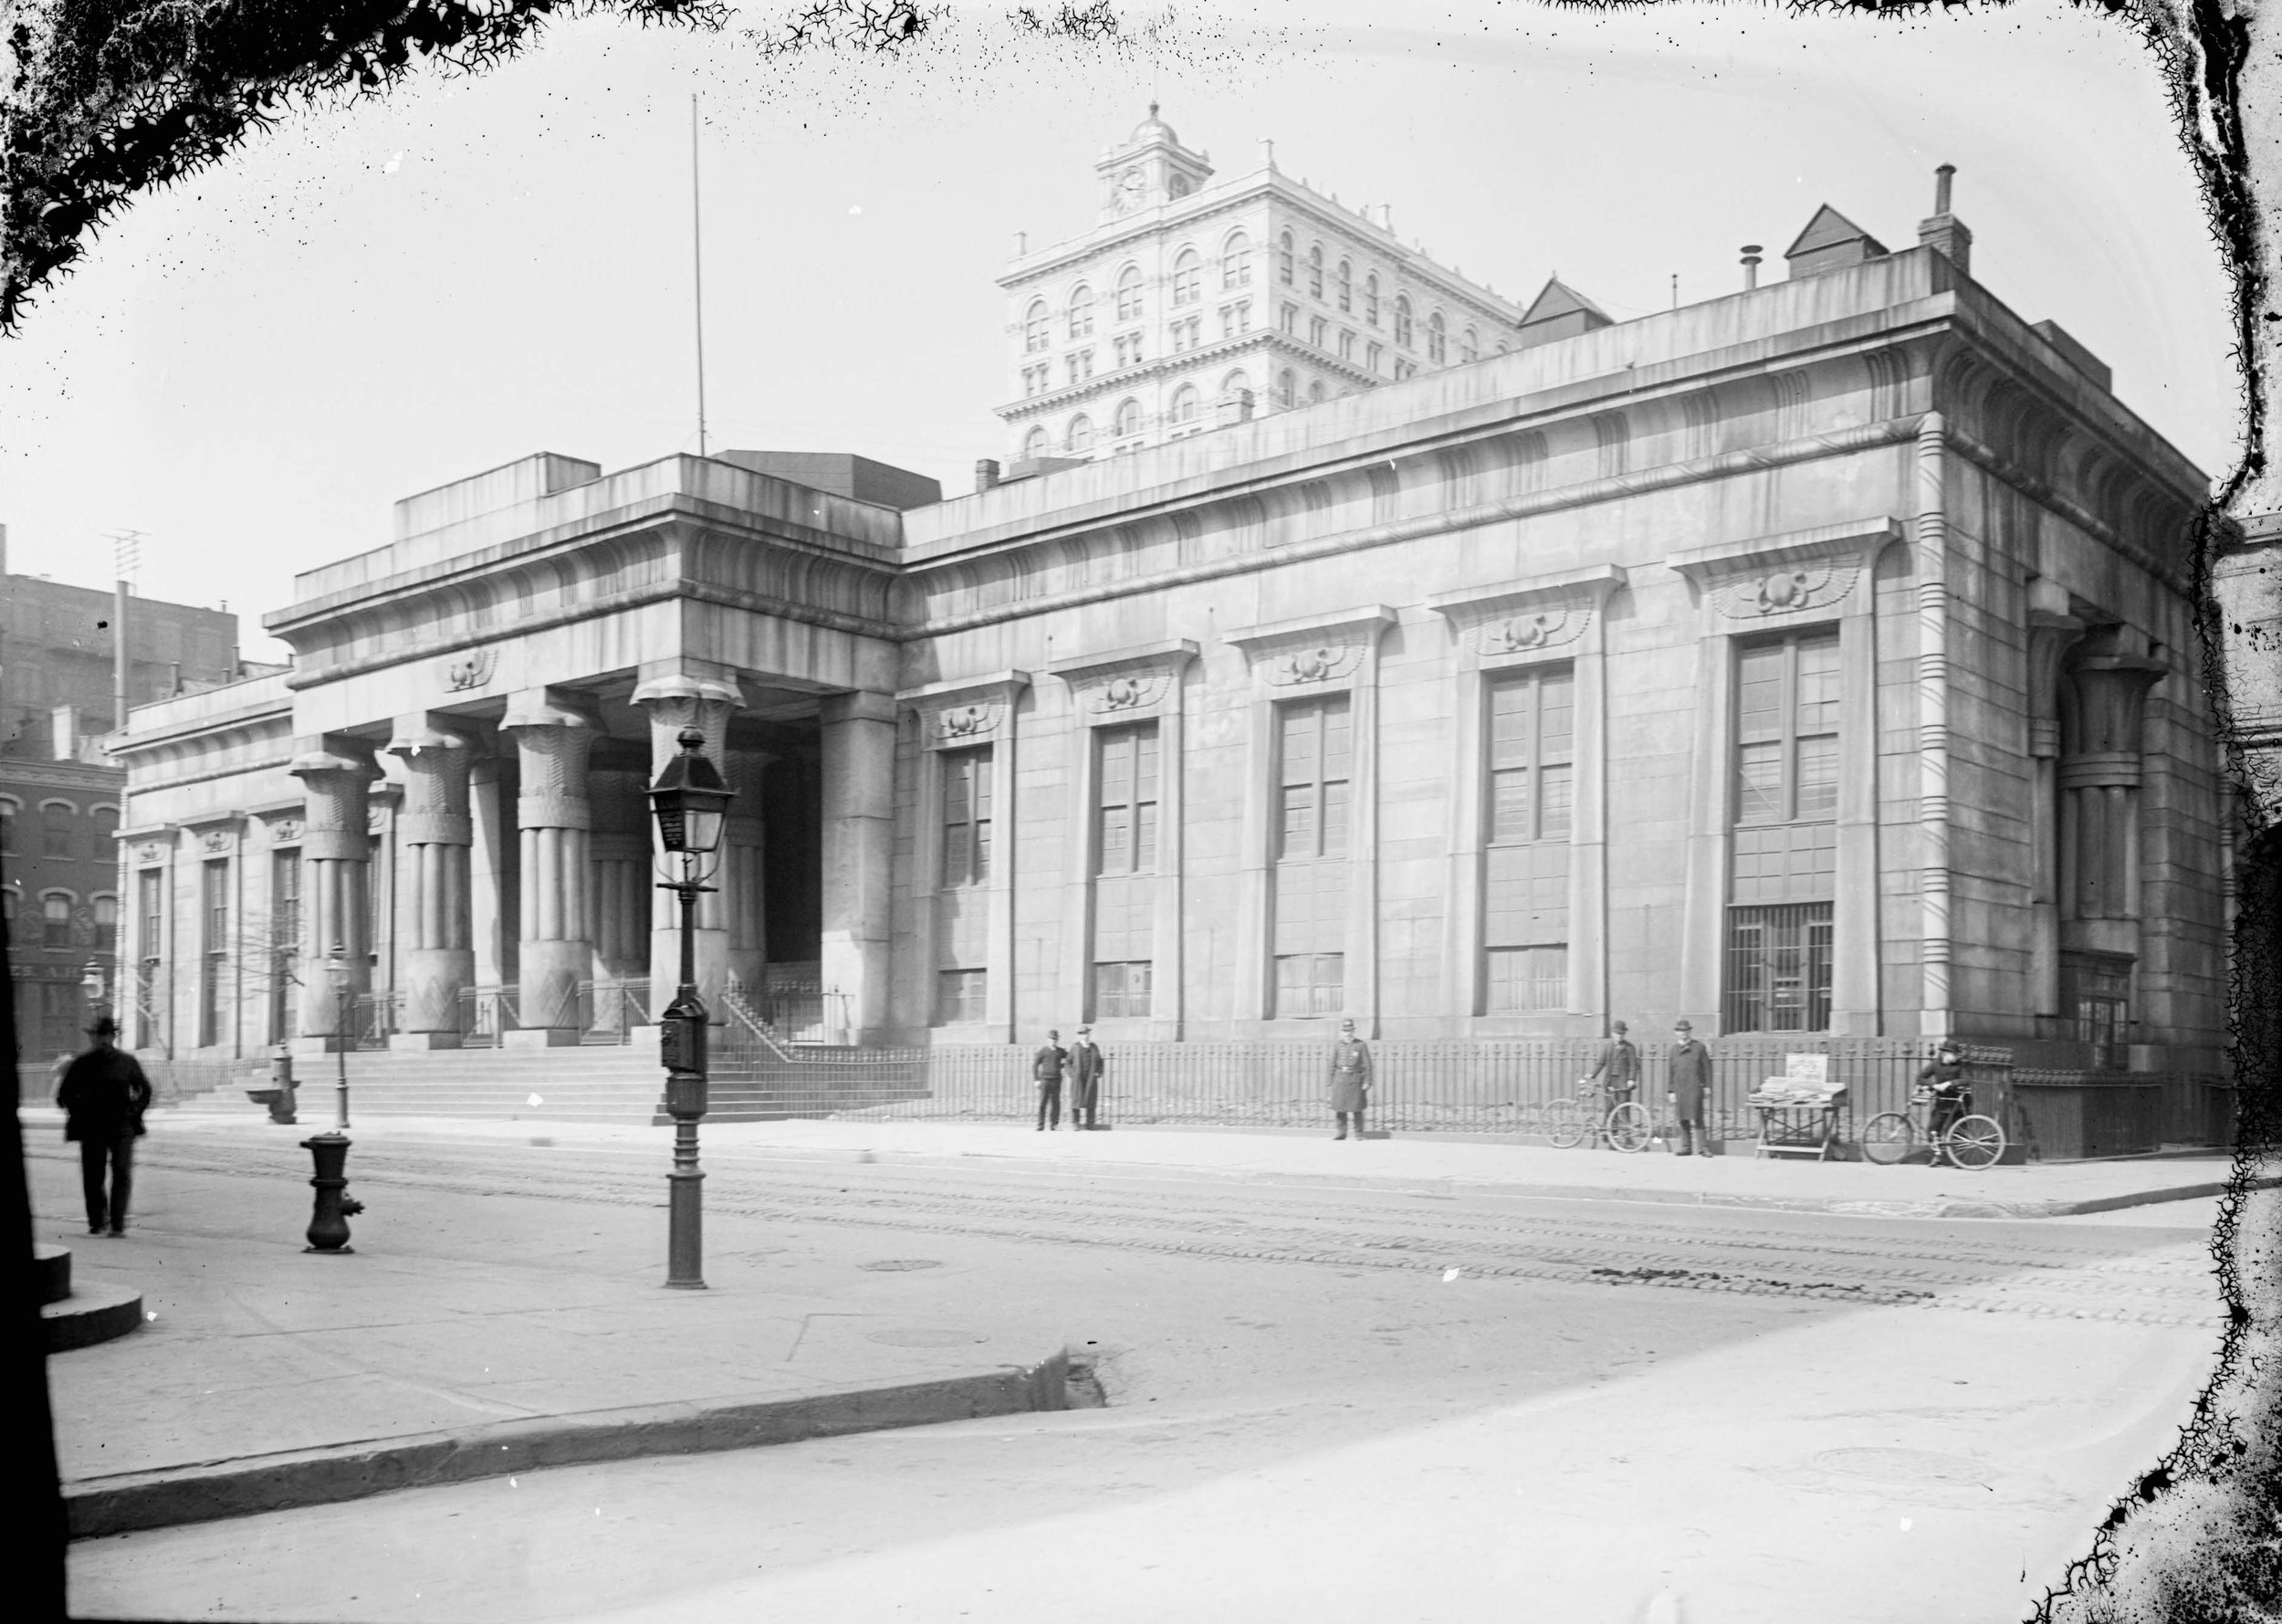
x=1148, y=168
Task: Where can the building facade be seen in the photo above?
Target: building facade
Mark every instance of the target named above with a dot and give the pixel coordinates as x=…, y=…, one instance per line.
x=60, y=790
x=1816, y=659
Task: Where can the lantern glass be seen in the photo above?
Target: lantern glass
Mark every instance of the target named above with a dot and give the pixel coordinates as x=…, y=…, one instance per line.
x=690, y=800
x=337, y=970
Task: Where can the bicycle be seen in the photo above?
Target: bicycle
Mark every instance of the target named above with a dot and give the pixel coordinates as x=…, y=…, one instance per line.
x=1970, y=1142
x=1625, y=1125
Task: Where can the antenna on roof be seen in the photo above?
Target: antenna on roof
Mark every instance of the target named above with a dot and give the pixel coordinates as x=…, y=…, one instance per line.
x=697, y=268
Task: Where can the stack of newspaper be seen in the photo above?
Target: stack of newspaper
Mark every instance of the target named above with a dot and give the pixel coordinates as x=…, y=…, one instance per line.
x=1806, y=1081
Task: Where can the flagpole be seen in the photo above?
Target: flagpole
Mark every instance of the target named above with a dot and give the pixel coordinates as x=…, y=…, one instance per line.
x=697, y=268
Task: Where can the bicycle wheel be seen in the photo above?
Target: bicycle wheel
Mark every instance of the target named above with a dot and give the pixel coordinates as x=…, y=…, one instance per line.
x=1974, y=1142
x=1886, y=1138
x=1566, y=1125
x=1629, y=1127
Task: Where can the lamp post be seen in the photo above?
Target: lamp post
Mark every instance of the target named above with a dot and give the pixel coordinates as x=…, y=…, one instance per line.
x=691, y=803
x=329, y=1224
x=91, y=983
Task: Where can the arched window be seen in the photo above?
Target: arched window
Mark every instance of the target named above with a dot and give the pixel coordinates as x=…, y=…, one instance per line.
x=1402, y=319
x=1315, y=271
x=1287, y=388
x=106, y=913
x=1236, y=262
x=8, y=811
x=1129, y=294
x=1128, y=420
x=1185, y=405
x=1370, y=300
x=1034, y=444
x=58, y=821
x=1236, y=381
x=55, y=919
x=1345, y=285
x=1188, y=277
x=1437, y=342
x=1316, y=392
x=1082, y=312
x=1283, y=260
x=1035, y=336
x=1080, y=438
x=1469, y=345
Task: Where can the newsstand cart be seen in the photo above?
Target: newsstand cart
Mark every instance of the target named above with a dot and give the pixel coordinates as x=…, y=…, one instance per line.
x=1799, y=1112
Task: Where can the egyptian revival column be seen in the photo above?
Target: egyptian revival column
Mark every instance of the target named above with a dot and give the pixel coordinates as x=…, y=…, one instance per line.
x=744, y=873
x=336, y=853
x=859, y=819
x=436, y=832
x=556, y=954
x=675, y=701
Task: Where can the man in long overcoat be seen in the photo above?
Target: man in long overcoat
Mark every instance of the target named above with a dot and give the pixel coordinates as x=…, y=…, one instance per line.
x=104, y=1095
x=1688, y=1090
x=1045, y=1070
x=1085, y=1080
x=1350, y=1079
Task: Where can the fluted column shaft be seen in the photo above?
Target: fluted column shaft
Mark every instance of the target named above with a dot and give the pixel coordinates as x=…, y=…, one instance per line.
x=434, y=832
x=552, y=818
x=336, y=862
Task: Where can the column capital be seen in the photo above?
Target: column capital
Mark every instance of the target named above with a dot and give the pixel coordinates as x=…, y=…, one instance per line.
x=423, y=730
x=333, y=752
x=548, y=707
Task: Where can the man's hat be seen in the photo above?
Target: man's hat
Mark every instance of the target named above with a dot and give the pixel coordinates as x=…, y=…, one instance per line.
x=103, y=1026
x=1347, y=1025
x=1618, y=1026
x=1681, y=1025
x=1085, y=1031
x=1952, y=1046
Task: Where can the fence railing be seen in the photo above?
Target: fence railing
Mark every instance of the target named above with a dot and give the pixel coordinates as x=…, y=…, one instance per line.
x=615, y=1009
x=486, y=1013
x=373, y=1016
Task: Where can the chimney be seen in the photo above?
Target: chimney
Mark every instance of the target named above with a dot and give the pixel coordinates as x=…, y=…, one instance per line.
x=1750, y=265
x=986, y=474
x=1021, y=244
x=65, y=719
x=1945, y=233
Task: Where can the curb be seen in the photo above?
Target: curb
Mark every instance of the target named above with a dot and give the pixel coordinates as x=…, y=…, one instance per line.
x=209, y=1491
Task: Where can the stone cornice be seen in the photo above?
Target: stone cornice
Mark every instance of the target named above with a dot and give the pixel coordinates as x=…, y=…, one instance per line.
x=1131, y=684
x=962, y=711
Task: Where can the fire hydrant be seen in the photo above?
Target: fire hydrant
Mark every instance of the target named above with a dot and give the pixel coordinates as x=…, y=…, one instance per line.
x=281, y=1080
x=329, y=1225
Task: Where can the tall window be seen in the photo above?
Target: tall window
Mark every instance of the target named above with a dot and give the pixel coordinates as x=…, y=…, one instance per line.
x=58, y=821
x=1283, y=260
x=1470, y=346
x=213, y=932
x=1345, y=285
x=1315, y=391
x=106, y=917
x=1129, y=294
x=2096, y=1002
x=1315, y=272
x=285, y=938
x=1129, y=419
x=1402, y=320
x=1034, y=444
x=965, y=817
x=1437, y=339
x=1035, y=334
x=1125, y=870
x=1371, y=354
x=1370, y=299
x=1184, y=406
x=1082, y=312
x=1346, y=343
x=1287, y=389
x=1529, y=752
x=1188, y=277
x=7, y=827
x=963, y=907
x=1314, y=763
x=55, y=919
x=151, y=915
x=1236, y=262
x=1080, y=438
x=1784, y=846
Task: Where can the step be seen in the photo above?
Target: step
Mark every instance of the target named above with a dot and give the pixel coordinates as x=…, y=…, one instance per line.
x=87, y=1318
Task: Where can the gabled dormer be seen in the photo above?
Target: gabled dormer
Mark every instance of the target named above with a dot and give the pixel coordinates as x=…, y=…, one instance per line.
x=1831, y=242
x=1559, y=311
x=1149, y=167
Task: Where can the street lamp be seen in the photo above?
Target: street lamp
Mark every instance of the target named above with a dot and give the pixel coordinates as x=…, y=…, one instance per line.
x=91, y=983
x=691, y=803
x=329, y=1224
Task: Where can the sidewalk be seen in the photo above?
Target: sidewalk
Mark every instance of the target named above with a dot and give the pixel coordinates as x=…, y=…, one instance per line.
x=1423, y=1163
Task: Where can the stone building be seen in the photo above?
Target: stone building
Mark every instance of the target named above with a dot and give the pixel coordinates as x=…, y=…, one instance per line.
x=1814, y=659
x=59, y=791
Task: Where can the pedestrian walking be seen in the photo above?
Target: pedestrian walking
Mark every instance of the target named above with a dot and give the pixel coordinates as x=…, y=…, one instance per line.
x=1350, y=1079
x=1085, y=1081
x=1045, y=1070
x=104, y=1095
x=1688, y=1088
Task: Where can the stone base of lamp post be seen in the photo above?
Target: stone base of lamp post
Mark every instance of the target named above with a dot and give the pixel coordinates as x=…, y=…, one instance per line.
x=329, y=1224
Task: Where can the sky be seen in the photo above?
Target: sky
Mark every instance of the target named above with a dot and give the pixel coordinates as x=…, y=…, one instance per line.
x=383, y=297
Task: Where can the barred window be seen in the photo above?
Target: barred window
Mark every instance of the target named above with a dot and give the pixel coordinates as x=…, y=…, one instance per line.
x=1778, y=971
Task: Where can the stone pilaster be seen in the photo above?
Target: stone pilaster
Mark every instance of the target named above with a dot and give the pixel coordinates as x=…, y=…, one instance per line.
x=434, y=834
x=743, y=877
x=337, y=774
x=553, y=739
x=859, y=842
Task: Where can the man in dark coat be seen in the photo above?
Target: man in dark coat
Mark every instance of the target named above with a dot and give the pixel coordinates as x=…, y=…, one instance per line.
x=1045, y=1070
x=1689, y=1087
x=104, y=1095
x=1350, y=1079
x=1944, y=1079
x=1618, y=1071
x=1085, y=1080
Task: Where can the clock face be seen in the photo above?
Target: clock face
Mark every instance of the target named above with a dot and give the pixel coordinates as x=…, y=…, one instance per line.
x=1129, y=186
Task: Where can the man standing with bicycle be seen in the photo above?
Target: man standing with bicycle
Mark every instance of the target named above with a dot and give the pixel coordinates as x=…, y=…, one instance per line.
x=1617, y=1072
x=1945, y=1080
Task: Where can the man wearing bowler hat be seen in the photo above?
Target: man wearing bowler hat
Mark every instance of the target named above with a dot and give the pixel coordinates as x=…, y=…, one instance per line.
x=1618, y=1071
x=1085, y=1080
x=1689, y=1087
x=1045, y=1070
x=104, y=1095
x=1350, y=1079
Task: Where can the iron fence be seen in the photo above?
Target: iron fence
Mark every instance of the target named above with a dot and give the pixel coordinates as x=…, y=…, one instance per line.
x=486, y=1013
x=373, y=1016
x=613, y=1009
